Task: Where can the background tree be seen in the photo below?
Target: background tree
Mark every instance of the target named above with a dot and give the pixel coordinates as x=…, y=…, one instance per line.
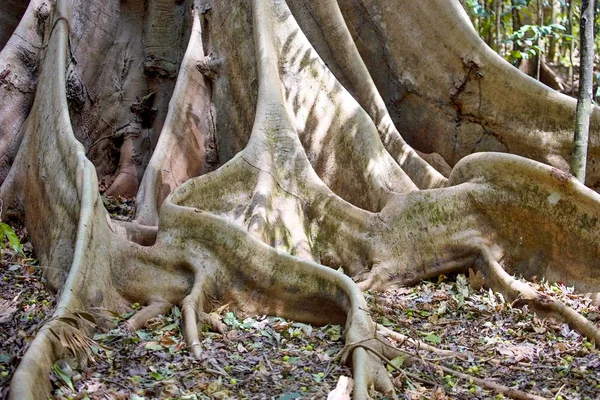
x=584, y=100
x=266, y=141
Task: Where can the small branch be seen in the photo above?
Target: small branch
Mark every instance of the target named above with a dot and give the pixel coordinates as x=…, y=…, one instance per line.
x=400, y=338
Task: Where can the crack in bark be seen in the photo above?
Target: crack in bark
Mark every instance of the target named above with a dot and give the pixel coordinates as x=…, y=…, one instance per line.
x=274, y=179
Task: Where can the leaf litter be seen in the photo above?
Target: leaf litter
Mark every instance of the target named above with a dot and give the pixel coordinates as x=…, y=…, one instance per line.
x=25, y=302
x=265, y=357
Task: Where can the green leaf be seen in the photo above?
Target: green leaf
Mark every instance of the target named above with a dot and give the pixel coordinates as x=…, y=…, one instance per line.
x=290, y=396
x=135, y=379
x=106, y=338
x=63, y=377
x=167, y=328
x=231, y=320
x=433, y=338
x=334, y=332
x=386, y=322
x=157, y=376
x=12, y=237
x=153, y=346
x=397, y=362
x=144, y=335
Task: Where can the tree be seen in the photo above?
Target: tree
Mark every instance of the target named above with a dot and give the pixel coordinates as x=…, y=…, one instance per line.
x=584, y=99
x=307, y=113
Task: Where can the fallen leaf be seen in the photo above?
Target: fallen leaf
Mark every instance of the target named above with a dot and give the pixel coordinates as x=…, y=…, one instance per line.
x=7, y=309
x=432, y=338
x=520, y=352
x=476, y=279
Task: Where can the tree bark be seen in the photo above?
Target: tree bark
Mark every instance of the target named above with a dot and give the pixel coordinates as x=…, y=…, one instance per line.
x=584, y=99
x=538, y=58
x=570, y=18
x=552, y=42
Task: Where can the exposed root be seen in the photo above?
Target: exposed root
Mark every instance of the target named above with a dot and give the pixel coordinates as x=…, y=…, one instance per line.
x=211, y=320
x=386, y=353
x=275, y=283
x=134, y=231
x=181, y=150
x=152, y=310
x=190, y=330
x=194, y=319
x=369, y=373
x=362, y=87
x=522, y=293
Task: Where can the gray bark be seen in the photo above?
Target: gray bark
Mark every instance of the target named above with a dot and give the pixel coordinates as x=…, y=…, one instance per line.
x=584, y=99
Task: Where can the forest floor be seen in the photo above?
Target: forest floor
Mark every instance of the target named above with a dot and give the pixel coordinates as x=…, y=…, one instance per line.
x=263, y=357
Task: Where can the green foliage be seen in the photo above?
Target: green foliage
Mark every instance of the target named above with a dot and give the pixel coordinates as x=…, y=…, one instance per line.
x=433, y=338
x=63, y=376
x=520, y=34
x=526, y=38
x=9, y=235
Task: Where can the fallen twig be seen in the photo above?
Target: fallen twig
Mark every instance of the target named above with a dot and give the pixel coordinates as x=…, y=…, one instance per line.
x=498, y=388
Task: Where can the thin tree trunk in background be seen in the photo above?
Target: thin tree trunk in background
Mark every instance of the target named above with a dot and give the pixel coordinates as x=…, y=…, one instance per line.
x=571, y=45
x=564, y=45
x=540, y=22
x=498, y=11
x=489, y=36
x=481, y=4
x=552, y=44
x=584, y=99
x=516, y=22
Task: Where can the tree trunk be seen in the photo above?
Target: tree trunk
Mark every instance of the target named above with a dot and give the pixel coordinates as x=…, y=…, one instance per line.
x=570, y=17
x=497, y=24
x=552, y=42
x=267, y=143
x=584, y=99
x=540, y=22
x=516, y=21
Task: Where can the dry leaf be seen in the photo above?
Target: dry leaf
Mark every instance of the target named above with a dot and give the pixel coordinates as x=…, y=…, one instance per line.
x=476, y=279
x=7, y=309
x=518, y=352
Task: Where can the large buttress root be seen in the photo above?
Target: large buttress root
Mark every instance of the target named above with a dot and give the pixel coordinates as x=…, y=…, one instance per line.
x=324, y=178
x=19, y=68
x=467, y=98
x=181, y=148
x=268, y=282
